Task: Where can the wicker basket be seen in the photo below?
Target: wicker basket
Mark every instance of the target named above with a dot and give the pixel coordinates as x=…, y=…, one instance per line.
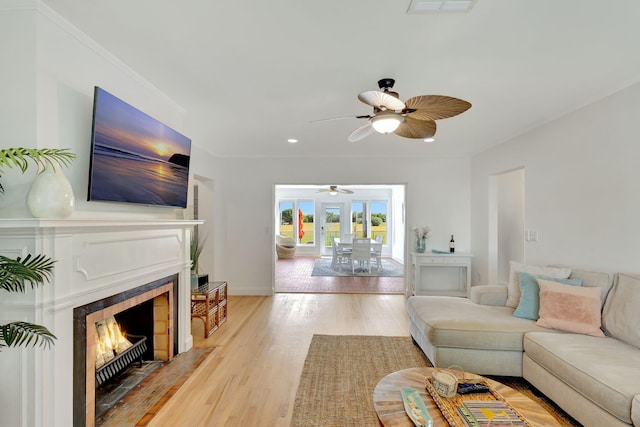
x=448, y=406
x=285, y=247
x=285, y=252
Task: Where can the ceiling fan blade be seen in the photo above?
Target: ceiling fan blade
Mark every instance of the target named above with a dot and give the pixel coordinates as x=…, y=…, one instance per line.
x=361, y=133
x=436, y=107
x=415, y=128
x=336, y=189
x=381, y=100
x=340, y=118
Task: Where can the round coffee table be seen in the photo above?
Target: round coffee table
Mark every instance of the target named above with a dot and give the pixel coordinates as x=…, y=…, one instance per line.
x=388, y=404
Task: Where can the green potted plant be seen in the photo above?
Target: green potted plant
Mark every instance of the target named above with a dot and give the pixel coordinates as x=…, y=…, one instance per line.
x=197, y=245
x=17, y=274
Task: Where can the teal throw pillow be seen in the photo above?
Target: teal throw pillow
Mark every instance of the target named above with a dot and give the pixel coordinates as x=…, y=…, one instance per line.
x=529, y=303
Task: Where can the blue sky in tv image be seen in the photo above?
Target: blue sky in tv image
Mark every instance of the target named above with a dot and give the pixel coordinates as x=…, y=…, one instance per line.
x=135, y=158
x=124, y=127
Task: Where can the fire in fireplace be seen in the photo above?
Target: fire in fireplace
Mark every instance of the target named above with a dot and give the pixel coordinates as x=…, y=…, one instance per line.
x=115, y=350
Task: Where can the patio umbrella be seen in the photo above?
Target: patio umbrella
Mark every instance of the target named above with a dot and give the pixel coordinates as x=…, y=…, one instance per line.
x=300, y=225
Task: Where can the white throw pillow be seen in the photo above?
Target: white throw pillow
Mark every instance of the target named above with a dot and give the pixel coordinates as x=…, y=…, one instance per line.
x=513, y=290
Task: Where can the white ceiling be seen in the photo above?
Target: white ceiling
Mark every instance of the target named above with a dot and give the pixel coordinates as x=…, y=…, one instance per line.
x=252, y=74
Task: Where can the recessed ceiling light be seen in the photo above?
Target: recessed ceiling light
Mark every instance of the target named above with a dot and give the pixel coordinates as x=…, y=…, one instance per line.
x=429, y=140
x=292, y=140
x=435, y=6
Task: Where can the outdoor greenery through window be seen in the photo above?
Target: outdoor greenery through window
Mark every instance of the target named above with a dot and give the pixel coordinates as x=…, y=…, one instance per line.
x=332, y=221
x=369, y=219
x=297, y=221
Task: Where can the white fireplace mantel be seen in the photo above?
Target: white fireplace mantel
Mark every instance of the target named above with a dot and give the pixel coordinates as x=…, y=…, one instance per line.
x=95, y=258
x=92, y=223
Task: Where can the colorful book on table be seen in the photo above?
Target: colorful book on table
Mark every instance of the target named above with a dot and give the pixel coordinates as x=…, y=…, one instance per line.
x=466, y=416
x=495, y=413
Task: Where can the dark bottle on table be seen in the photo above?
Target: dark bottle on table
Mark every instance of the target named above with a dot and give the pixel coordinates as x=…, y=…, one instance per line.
x=452, y=245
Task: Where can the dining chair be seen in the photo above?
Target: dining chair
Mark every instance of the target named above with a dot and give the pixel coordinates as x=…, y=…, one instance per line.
x=376, y=252
x=361, y=253
x=347, y=237
x=340, y=255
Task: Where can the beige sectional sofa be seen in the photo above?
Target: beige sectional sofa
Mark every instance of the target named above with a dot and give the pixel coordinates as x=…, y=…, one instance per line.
x=596, y=379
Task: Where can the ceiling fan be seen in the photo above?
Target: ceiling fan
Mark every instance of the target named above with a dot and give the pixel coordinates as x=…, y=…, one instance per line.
x=333, y=190
x=414, y=118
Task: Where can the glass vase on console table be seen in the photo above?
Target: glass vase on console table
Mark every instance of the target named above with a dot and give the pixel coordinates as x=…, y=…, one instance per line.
x=421, y=244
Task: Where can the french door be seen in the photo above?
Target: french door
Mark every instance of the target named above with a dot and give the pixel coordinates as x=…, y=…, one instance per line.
x=333, y=221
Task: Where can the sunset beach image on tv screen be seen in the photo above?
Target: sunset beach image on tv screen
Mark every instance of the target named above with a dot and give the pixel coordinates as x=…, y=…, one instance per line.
x=135, y=158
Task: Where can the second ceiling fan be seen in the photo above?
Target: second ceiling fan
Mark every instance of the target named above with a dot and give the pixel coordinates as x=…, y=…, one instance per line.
x=333, y=190
x=414, y=118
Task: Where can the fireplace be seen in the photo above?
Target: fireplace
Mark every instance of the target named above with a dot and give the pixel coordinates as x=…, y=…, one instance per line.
x=147, y=312
x=103, y=268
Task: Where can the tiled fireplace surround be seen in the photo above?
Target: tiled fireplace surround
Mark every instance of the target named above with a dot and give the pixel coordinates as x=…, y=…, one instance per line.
x=95, y=260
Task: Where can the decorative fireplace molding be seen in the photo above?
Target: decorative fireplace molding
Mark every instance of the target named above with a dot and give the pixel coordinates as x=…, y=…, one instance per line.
x=95, y=259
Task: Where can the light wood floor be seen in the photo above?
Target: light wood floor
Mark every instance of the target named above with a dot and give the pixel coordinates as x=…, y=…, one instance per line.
x=252, y=376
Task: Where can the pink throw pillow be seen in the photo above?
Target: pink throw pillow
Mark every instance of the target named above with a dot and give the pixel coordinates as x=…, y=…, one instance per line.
x=570, y=308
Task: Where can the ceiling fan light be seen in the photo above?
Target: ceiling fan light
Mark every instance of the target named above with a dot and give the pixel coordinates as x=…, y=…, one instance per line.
x=386, y=123
x=333, y=192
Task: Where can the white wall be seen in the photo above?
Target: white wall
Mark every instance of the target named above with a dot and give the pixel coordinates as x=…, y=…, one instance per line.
x=399, y=238
x=17, y=103
x=47, y=102
x=582, y=186
x=244, y=226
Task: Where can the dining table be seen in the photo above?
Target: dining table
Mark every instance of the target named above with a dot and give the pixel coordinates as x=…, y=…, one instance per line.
x=347, y=243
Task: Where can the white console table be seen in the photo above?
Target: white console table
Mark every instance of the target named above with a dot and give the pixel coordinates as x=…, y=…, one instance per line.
x=421, y=286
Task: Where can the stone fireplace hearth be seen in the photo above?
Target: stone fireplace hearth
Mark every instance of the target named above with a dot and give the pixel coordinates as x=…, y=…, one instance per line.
x=96, y=260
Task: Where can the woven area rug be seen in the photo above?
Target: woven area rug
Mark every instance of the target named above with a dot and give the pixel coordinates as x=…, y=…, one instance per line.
x=322, y=267
x=341, y=371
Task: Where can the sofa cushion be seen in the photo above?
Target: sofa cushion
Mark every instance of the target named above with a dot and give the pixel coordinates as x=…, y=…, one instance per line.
x=529, y=303
x=604, y=370
x=513, y=296
x=489, y=295
x=621, y=313
x=592, y=278
x=570, y=308
x=458, y=322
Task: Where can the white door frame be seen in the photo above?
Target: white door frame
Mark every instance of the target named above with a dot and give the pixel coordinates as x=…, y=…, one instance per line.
x=506, y=223
x=324, y=249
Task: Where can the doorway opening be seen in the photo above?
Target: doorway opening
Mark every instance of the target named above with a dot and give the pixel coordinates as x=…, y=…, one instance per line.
x=314, y=217
x=506, y=223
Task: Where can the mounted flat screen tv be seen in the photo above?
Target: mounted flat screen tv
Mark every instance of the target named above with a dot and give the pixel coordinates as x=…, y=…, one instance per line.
x=134, y=157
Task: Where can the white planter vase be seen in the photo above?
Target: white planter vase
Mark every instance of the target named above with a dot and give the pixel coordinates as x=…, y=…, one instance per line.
x=50, y=195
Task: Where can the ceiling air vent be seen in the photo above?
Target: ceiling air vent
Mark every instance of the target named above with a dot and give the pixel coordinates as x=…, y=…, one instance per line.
x=436, y=6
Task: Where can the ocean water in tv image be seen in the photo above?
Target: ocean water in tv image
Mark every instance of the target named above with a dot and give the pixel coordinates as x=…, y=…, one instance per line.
x=122, y=176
